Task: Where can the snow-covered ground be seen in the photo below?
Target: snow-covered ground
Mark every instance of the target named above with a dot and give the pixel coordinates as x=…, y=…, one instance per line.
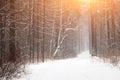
x=84, y=67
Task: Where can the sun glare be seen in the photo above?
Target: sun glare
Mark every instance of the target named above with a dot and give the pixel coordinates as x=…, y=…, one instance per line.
x=87, y=0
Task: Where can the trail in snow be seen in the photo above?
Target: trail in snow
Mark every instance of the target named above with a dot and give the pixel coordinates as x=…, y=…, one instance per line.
x=84, y=67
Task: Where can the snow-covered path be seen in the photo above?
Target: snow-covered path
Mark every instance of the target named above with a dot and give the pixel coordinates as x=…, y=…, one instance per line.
x=84, y=67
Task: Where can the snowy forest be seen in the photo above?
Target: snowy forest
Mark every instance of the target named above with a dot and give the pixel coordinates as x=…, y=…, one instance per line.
x=38, y=31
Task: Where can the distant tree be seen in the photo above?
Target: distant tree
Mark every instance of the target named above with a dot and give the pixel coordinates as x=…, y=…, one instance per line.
x=12, y=48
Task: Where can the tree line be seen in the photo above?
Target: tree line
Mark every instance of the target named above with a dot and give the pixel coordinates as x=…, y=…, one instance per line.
x=35, y=30
x=105, y=29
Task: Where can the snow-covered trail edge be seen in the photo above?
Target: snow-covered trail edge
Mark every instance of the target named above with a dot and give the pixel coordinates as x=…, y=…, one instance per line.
x=84, y=67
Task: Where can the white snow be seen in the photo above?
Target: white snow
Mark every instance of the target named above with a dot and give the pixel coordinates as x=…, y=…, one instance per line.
x=84, y=67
